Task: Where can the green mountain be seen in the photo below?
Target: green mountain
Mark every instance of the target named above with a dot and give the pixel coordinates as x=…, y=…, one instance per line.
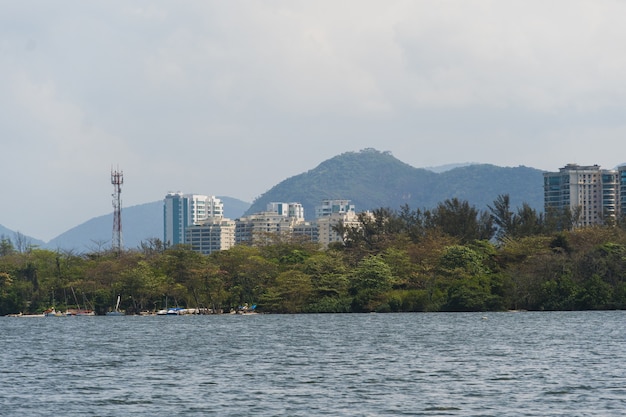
x=372, y=179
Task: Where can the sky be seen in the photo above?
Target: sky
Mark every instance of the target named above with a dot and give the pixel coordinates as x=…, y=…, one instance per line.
x=231, y=97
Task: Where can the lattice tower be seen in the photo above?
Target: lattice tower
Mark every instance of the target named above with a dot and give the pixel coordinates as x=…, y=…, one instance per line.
x=117, y=179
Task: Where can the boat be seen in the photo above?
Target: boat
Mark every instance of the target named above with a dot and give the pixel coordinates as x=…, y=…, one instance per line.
x=117, y=311
x=175, y=311
x=53, y=313
x=27, y=315
x=80, y=312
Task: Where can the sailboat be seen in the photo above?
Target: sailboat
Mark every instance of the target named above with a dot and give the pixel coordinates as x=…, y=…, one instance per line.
x=79, y=311
x=117, y=311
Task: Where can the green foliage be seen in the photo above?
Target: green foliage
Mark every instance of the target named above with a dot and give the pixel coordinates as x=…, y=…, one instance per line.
x=459, y=219
x=398, y=262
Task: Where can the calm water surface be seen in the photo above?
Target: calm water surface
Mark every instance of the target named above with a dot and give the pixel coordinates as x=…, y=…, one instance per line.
x=469, y=364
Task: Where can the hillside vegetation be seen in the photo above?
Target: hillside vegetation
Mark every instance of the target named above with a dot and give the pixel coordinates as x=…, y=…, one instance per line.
x=454, y=257
x=372, y=179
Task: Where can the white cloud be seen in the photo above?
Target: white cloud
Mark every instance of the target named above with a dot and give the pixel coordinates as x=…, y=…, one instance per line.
x=259, y=91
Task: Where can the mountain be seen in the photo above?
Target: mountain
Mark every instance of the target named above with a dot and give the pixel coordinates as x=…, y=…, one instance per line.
x=8, y=233
x=372, y=179
x=447, y=167
x=369, y=178
x=139, y=223
x=14, y=236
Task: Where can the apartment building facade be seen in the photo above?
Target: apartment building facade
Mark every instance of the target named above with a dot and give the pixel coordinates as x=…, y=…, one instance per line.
x=197, y=220
x=329, y=214
x=183, y=210
x=211, y=235
x=593, y=195
x=279, y=218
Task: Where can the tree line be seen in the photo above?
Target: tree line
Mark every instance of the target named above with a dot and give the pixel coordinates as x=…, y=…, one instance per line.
x=450, y=258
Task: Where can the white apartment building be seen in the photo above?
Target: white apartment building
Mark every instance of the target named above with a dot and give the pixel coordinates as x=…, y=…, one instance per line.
x=280, y=218
x=329, y=207
x=258, y=227
x=211, y=235
x=621, y=179
x=589, y=191
x=183, y=210
x=294, y=210
x=325, y=225
x=329, y=214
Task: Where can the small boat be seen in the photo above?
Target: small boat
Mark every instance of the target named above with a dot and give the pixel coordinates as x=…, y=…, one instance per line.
x=117, y=311
x=176, y=311
x=80, y=312
x=27, y=315
x=53, y=313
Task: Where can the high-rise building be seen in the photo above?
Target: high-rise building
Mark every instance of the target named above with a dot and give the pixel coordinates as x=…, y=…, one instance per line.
x=329, y=214
x=280, y=218
x=621, y=179
x=591, y=194
x=294, y=210
x=326, y=226
x=183, y=210
x=211, y=235
x=333, y=206
x=259, y=227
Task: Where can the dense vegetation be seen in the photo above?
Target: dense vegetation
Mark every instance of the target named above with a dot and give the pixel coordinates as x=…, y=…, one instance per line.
x=450, y=258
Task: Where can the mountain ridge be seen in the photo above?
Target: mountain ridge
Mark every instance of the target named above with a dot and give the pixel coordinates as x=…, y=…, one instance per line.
x=372, y=179
x=369, y=178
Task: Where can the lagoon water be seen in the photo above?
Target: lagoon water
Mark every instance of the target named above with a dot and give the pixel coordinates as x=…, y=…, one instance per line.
x=423, y=364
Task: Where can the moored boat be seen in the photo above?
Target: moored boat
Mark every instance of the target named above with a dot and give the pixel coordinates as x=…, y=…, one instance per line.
x=117, y=311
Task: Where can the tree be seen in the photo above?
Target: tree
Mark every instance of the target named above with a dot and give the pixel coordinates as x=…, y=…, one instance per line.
x=525, y=222
x=6, y=246
x=502, y=216
x=459, y=219
x=371, y=278
x=289, y=294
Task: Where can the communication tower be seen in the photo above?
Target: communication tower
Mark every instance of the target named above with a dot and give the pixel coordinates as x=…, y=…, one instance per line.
x=117, y=179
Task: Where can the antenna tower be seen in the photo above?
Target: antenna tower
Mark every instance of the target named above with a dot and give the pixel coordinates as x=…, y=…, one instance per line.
x=117, y=179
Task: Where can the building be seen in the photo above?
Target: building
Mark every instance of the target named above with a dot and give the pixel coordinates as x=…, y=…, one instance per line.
x=306, y=231
x=211, y=235
x=279, y=219
x=329, y=207
x=326, y=226
x=621, y=175
x=294, y=210
x=260, y=227
x=329, y=214
x=183, y=210
x=591, y=194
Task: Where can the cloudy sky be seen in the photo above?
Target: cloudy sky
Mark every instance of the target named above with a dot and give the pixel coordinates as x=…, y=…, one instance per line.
x=232, y=97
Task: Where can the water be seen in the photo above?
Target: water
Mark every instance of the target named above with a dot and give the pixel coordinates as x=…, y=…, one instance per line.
x=468, y=364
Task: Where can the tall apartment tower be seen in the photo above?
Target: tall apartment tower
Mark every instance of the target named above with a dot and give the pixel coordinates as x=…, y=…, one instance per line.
x=279, y=218
x=294, y=210
x=621, y=175
x=329, y=214
x=329, y=207
x=183, y=210
x=588, y=191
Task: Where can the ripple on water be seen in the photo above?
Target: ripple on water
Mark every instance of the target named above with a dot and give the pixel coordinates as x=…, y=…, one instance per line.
x=535, y=364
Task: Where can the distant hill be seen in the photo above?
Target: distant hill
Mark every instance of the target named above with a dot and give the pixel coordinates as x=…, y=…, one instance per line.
x=13, y=235
x=139, y=223
x=447, y=167
x=370, y=179
x=373, y=179
x=6, y=232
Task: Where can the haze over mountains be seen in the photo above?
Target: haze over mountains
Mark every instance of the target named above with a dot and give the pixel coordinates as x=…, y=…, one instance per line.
x=369, y=178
